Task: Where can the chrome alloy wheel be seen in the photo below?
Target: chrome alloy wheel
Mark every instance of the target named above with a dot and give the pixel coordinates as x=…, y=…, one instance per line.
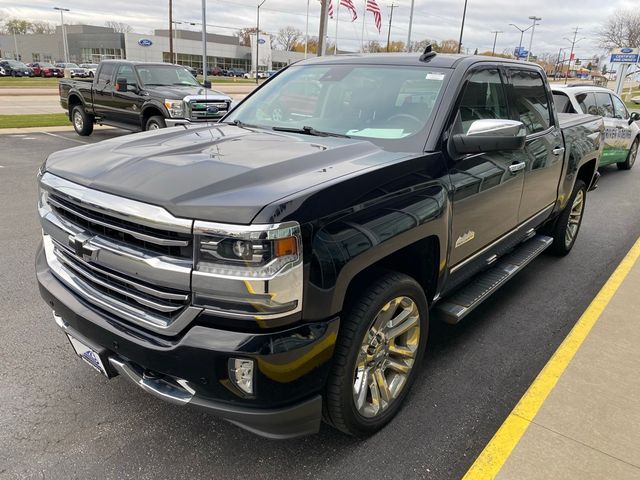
x=575, y=216
x=633, y=154
x=78, y=121
x=154, y=126
x=386, y=356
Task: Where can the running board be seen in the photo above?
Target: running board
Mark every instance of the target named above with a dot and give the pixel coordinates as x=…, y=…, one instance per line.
x=458, y=305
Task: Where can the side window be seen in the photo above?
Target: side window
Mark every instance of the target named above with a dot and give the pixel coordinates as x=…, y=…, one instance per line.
x=530, y=100
x=126, y=71
x=562, y=102
x=104, y=76
x=483, y=98
x=605, y=105
x=587, y=102
x=621, y=111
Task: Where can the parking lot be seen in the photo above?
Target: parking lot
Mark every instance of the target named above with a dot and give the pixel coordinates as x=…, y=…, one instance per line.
x=60, y=419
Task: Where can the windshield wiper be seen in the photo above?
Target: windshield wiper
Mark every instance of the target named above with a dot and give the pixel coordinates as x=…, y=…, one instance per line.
x=241, y=124
x=310, y=131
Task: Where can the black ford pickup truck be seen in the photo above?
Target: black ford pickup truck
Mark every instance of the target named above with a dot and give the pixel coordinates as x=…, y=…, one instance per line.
x=140, y=96
x=282, y=266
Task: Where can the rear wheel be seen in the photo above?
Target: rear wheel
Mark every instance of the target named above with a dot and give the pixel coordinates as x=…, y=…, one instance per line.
x=567, y=226
x=381, y=344
x=82, y=121
x=155, y=123
x=631, y=158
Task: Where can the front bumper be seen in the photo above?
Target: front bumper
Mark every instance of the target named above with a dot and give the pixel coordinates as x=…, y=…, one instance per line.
x=174, y=122
x=192, y=369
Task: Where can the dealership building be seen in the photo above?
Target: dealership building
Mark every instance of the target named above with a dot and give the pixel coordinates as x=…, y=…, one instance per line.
x=91, y=44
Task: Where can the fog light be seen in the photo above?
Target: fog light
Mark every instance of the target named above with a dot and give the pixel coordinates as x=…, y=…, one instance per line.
x=241, y=374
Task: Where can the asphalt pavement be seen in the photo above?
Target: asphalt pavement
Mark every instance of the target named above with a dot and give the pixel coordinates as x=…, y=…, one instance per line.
x=59, y=419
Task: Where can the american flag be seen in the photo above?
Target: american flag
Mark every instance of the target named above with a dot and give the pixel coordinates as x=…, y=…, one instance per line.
x=350, y=6
x=330, y=8
x=373, y=7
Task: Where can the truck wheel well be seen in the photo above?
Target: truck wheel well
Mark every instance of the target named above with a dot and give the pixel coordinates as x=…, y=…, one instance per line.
x=149, y=112
x=587, y=171
x=73, y=101
x=419, y=260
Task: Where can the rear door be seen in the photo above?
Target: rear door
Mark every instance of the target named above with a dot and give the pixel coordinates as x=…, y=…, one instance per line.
x=486, y=194
x=531, y=104
x=619, y=134
x=103, y=90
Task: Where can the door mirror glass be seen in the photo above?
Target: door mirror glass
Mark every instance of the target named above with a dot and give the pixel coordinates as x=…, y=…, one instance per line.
x=206, y=84
x=121, y=84
x=490, y=135
x=635, y=117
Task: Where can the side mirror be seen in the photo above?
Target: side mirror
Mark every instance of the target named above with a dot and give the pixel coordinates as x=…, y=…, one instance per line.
x=206, y=84
x=121, y=85
x=490, y=136
x=635, y=117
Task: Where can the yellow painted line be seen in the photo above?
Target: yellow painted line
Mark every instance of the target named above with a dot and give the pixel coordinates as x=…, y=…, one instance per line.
x=497, y=451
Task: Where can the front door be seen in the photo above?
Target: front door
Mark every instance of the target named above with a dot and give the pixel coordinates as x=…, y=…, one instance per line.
x=544, y=150
x=126, y=105
x=486, y=192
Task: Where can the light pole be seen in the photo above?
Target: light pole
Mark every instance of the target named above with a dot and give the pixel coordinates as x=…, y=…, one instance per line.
x=258, y=39
x=410, y=25
x=495, y=40
x=204, y=43
x=533, y=31
x=174, y=43
x=521, y=36
x=464, y=16
x=15, y=45
x=392, y=7
x=65, y=47
x=573, y=45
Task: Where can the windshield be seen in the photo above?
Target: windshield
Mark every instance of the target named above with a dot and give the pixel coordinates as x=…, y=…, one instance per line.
x=71, y=65
x=14, y=63
x=46, y=65
x=165, y=75
x=387, y=104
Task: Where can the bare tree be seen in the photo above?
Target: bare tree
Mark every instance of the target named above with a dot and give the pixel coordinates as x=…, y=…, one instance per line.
x=622, y=29
x=42, y=27
x=244, y=34
x=288, y=37
x=119, y=27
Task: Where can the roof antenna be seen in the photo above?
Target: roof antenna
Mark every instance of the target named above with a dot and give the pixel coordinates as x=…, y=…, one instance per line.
x=428, y=53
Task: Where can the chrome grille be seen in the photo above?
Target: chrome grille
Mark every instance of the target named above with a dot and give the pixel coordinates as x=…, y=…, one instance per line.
x=130, y=259
x=207, y=109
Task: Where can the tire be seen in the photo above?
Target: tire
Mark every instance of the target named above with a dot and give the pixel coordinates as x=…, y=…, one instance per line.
x=155, y=122
x=353, y=410
x=42, y=74
x=567, y=226
x=631, y=158
x=13, y=74
x=82, y=121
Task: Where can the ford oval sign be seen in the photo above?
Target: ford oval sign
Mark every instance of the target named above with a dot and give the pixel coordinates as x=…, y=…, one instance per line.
x=145, y=42
x=261, y=41
x=626, y=50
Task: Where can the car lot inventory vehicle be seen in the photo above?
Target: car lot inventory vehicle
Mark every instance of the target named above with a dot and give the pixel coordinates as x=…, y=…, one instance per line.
x=140, y=96
x=91, y=68
x=622, y=134
x=276, y=270
x=75, y=71
x=42, y=69
x=14, y=68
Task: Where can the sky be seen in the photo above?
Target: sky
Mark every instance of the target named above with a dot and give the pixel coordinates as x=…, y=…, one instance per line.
x=434, y=19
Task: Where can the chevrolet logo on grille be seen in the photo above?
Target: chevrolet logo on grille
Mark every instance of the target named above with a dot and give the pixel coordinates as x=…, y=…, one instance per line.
x=79, y=243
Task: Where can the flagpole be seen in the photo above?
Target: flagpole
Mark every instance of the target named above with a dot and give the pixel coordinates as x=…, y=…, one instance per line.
x=335, y=51
x=306, y=35
x=364, y=14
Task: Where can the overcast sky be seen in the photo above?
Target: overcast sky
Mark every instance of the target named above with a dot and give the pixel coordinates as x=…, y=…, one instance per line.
x=435, y=19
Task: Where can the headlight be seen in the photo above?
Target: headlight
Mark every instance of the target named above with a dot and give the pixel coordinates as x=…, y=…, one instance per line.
x=253, y=271
x=175, y=108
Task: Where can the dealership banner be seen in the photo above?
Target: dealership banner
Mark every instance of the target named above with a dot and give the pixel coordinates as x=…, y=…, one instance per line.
x=264, y=51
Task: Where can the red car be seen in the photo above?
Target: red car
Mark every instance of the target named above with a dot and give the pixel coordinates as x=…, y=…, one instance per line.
x=41, y=69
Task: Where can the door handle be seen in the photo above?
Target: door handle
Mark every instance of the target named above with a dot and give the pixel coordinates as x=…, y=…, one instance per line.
x=516, y=167
x=558, y=151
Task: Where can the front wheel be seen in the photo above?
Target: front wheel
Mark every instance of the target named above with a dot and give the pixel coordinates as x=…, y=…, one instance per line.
x=82, y=121
x=381, y=344
x=155, y=123
x=631, y=158
x=567, y=226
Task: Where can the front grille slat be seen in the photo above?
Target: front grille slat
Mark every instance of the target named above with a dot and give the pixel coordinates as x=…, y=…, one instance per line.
x=199, y=109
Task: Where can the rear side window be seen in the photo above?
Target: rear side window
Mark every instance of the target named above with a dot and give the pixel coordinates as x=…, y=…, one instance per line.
x=105, y=74
x=530, y=100
x=587, y=102
x=605, y=105
x=562, y=102
x=483, y=98
x=620, y=110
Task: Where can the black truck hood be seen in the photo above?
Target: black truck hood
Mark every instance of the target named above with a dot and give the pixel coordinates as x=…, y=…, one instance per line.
x=179, y=92
x=222, y=173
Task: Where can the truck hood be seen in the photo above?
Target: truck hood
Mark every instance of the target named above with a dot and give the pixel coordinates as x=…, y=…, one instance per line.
x=179, y=92
x=218, y=173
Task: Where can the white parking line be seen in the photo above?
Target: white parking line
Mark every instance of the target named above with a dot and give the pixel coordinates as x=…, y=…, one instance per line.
x=65, y=138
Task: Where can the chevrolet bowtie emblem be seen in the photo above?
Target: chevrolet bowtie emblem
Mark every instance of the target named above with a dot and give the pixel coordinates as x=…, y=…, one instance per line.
x=80, y=244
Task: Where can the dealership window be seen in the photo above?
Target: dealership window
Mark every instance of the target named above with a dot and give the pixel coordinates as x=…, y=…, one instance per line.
x=96, y=55
x=35, y=57
x=195, y=61
x=47, y=59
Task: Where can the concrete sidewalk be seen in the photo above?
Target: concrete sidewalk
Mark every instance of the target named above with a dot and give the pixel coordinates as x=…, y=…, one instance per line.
x=586, y=424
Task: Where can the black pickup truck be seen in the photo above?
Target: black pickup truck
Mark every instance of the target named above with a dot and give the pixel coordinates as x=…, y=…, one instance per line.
x=283, y=265
x=140, y=96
